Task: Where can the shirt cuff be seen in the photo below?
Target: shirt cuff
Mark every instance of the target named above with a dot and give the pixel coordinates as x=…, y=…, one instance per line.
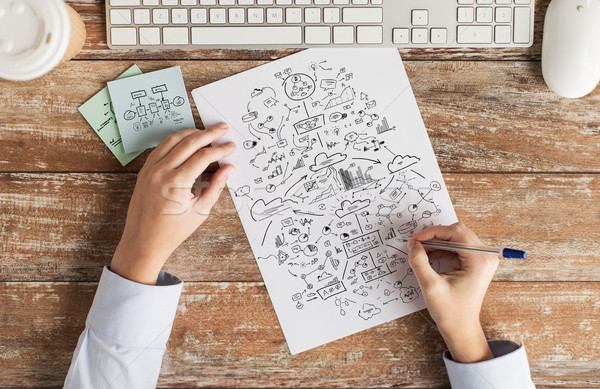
x=133, y=314
x=509, y=369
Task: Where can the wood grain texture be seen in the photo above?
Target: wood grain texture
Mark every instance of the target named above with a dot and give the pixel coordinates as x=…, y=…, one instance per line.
x=65, y=227
x=93, y=14
x=481, y=116
x=227, y=335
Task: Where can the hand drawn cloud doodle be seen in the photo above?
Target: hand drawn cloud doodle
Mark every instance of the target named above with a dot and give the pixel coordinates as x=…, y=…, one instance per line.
x=402, y=162
x=322, y=160
x=348, y=207
x=261, y=210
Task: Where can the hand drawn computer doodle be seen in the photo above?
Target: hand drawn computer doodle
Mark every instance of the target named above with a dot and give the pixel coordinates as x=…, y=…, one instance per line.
x=146, y=107
x=333, y=203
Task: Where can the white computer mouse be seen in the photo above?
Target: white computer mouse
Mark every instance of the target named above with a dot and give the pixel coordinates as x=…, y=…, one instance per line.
x=571, y=47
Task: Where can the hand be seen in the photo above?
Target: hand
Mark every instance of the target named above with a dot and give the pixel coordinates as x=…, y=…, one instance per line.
x=163, y=211
x=454, y=299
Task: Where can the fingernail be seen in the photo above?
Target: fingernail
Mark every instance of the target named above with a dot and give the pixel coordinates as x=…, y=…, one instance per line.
x=410, y=245
x=231, y=144
x=230, y=172
x=223, y=125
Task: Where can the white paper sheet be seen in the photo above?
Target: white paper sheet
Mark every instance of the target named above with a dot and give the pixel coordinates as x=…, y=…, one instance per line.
x=334, y=166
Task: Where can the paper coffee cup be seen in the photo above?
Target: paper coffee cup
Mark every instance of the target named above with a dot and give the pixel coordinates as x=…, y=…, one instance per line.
x=37, y=35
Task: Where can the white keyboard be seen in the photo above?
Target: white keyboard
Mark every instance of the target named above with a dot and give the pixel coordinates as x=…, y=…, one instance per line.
x=192, y=24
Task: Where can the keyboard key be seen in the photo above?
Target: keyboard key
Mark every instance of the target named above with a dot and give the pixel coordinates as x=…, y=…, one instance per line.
x=141, y=16
x=343, y=35
x=274, y=16
x=149, y=3
x=484, y=14
x=247, y=35
x=169, y=2
x=217, y=16
x=503, y=14
x=369, y=35
x=400, y=35
x=189, y=2
x=465, y=15
x=198, y=16
x=420, y=17
x=124, y=3
x=331, y=15
x=179, y=16
x=474, y=34
x=120, y=16
x=362, y=15
x=502, y=34
x=521, y=21
x=160, y=16
x=466, y=2
x=312, y=15
x=256, y=15
x=439, y=36
x=123, y=36
x=317, y=35
x=175, y=35
x=237, y=15
x=149, y=36
x=419, y=36
x=293, y=15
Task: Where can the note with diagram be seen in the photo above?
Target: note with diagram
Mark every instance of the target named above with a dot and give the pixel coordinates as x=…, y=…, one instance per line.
x=334, y=168
x=149, y=107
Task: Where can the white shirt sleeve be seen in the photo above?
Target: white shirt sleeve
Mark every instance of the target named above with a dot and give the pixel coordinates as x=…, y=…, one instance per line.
x=508, y=370
x=126, y=333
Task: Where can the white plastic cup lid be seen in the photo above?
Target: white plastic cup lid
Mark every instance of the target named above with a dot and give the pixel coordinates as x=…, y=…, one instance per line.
x=34, y=36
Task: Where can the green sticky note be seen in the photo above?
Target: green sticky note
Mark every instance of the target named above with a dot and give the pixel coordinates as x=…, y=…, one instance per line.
x=99, y=113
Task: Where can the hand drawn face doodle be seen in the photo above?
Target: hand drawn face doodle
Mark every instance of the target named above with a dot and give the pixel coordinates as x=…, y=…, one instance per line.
x=299, y=86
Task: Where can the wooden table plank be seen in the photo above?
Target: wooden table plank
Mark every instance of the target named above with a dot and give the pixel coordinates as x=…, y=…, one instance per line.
x=227, y=335
x=482, y=116
x=65, y=227
x=93, y=14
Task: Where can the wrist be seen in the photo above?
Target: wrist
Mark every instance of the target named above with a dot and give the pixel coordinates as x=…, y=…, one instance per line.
x=467, y=343
x=136, y=265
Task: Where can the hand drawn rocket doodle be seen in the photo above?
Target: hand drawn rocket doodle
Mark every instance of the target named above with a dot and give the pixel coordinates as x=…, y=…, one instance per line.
x=340, y=187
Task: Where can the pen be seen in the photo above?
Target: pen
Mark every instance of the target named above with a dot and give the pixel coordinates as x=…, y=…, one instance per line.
x=454, y=246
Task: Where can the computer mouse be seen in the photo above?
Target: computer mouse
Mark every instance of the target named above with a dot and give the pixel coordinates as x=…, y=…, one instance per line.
x=571, y=47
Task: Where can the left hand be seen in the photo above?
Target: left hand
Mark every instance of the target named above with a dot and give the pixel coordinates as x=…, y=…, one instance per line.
x=163, y=211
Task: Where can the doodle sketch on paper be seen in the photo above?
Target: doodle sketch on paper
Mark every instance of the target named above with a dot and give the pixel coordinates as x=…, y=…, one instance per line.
x=330, y=185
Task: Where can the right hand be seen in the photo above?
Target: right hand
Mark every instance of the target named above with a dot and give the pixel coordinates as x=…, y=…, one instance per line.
x=454, y=298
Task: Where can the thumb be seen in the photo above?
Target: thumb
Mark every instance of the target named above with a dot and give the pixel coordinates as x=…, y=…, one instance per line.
x=419, y=261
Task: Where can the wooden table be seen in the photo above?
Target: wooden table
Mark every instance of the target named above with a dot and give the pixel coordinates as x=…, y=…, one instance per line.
x=521, y=165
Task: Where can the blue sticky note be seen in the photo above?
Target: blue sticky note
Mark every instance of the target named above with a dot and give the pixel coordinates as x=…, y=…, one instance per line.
x=150, y=107
x=99, y=114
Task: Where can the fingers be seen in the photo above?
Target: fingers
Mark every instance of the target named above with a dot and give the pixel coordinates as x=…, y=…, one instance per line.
x=456, y=232
x=166, y=145
x=209, y=196
x=419, y=261
x=189, y=145
x=199, y=161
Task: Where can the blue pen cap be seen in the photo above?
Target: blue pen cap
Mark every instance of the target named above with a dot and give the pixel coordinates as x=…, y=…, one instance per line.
x=510, y=253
